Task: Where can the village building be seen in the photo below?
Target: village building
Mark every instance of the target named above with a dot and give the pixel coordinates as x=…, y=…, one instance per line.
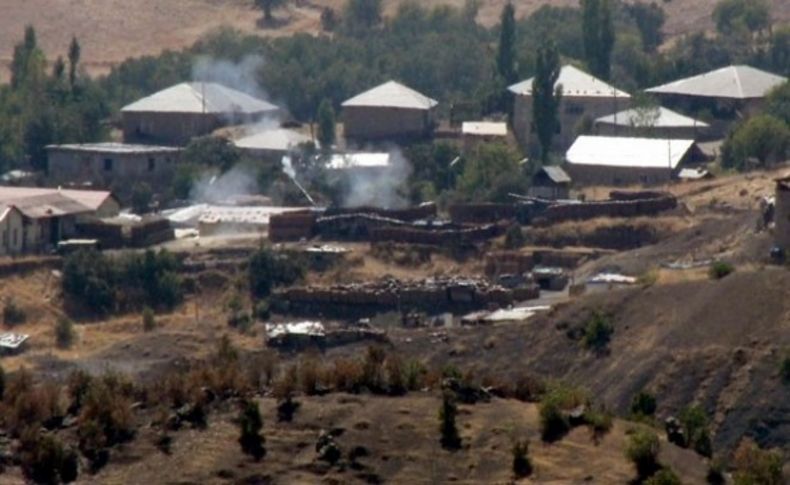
x=656, y=122
x=115, y=166
x=584, y=98
x=606, y=160
x=474, y=133
x=179, y=113
x=728, y=94
x=34, y=220
x=359, y=163
x=390, y=111
x=272, y=145
x=550, y=182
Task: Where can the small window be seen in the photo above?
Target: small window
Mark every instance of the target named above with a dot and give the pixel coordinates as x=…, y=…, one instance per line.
x=108, y=164
x=151, y=164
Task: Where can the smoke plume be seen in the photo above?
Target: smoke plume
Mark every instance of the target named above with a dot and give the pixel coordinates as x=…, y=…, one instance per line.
x=378, y=187
x=215, y=188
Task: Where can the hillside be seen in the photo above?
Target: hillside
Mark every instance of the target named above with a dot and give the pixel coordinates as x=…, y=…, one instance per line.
x=110, y=31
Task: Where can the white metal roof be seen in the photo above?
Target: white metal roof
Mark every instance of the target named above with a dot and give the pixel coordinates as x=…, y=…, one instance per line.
x=666, y=119
x=343, y=161
x=613, y=151
x=736, y=82
x=200, y=97
x=281, y=139
x=392, y=95
x=114, y=148
x=484, y=128
x=575, y=82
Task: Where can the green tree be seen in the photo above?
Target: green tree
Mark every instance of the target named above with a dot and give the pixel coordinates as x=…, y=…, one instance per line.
x=777, y=103
x=211, y=151
x=74, y=60
x=734, y=16
x=763, y=138
x=642, y=449
x=491, y=168
x=695, y=429
x=643, y=404
x=268, y=6
x=598, y=35
x=649, y=19
x=506, y=52
x=64, y=333
x=598, y=332
x=546, y=97
x=363, y=14
x=326, y=125
x=142, y=195
x=250, y=425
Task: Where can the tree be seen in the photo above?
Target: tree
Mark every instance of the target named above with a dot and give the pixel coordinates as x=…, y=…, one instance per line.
x=777, y=103
x=506, y=52
x=267, y=6
x=736, y=16
x=642, y=450
x=250, y=425
x=546, y=97
x=64, y=332
x=598, y=332
x=326, y=125
x=142, y=195
x=74, y=59
x=754, y=466
x=598, y=35
x=763, y=138
x=695, y=429
x=449, y=432
x=489, y=171
x=363, y=14
x=649, y=19
x=643, y=404
x=522, y=467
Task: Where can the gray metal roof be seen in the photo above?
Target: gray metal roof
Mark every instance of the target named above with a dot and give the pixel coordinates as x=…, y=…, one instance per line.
x=575, y=82
x=281, y=139
x=666, y=119
x=556, y=174
x=113, y=148
x=201, y=97
x=615, y=151
x=735, y=82
x=392, y=95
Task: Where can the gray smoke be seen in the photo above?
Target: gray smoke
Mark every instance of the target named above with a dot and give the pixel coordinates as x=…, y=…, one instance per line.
x=213, y=188
x=378, y=188
x=241, y=76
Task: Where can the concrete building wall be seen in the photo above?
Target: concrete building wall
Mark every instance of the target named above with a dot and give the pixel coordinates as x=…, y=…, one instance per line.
x=375, y=123
x=572, y=110
x=614, y=176
x=167, y=128
x=11, y=234
x=550, y=191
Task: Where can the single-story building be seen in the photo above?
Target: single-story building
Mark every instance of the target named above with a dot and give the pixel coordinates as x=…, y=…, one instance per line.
x=390, y=111
x=584, y=98
x=658, y=122
x=550, y=182
x=611, y=160
x=34, y=220
x=179, y=113
x=272, y=145
x=115, y=166
x=476, y=132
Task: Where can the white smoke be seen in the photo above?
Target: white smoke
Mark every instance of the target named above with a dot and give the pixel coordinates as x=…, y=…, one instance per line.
x=212, y=188
x=241, y=76
x=378, y=187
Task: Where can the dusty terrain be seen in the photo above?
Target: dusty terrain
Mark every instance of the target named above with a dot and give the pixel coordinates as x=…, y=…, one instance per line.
x=113, y=30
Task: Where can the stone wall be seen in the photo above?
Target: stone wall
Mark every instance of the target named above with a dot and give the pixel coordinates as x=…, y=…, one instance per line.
x=608, y=208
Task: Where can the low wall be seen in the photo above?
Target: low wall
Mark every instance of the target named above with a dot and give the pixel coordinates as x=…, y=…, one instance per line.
x=292, y=226
x=110, y=236
x=422, y=211
x=17, y=266
x=609, y=208
x=482, y=213
x=619, y=237
x=436, y=237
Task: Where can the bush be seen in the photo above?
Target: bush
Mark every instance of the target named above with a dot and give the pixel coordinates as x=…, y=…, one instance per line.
x=2, y=382
x=642, y=450
x=12, y=313
x=695, y=428
x=262, y=310
x=64, y=333
x=554, y=410
x=250, y=425
x=149, y=321
x=599, y=421
x=522, y=467
x=643, y=404
x=665, y=476
x=598, y=332
x=142, y=196
x=720, y=269
x=450, y=439
x=44, y=459
x=267, y=270
x=754, y=466
x=514, y=237
x=763, y=138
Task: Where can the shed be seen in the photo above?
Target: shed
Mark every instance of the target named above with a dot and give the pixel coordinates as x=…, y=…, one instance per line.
x=584, y=98
x=550, y=182
x=272, y=145
x=606, y=160
x=475, y=132
x=179, y=113
x=659, y=122
x=390, y=111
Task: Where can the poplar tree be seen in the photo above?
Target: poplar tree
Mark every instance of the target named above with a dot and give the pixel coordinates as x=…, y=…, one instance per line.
x=545, y=96
x=598, y=36
x=506, y=53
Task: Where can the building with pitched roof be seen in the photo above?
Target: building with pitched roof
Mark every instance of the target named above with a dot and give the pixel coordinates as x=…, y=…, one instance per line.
x=615, y=160
x=550, y=182
x=584, y=98
x=179, y=113
x=390, y=111
x=659, y=122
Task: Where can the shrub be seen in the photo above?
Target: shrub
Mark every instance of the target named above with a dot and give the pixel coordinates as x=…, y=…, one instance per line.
x=643, y=404
x=720, y=269
x=528, y=388
x=45, y=460
x=142, y=196
x=514, y=237
x=149, y=321
x=262, y=310
x=13, y=314
x=78, y=383
x=754, y=466
x=599, y=421
x=642, y=450
x=250, y=425
x=105, y=418
x=554, y=408
x=522, y=467
x=396, y=379
x=450, y=438
x=414, y=375
x=64, y=333
x=2, y=382
x=598, y=332
x=665, y=476
x=309, y=376
x=267, y=270
x=695, y=428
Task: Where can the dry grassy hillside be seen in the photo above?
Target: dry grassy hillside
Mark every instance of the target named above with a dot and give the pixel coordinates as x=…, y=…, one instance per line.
x=112, y=30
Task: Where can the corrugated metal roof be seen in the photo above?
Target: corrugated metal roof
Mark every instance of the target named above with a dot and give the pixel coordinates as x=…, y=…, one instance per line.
x=575, y=82
x=666, y=119
x=392, y=95
x=735, y=82
x=93, y=199
x=342, y=161
x=614, y=151
x=484, y=128
x=556, y=174
x=281, y=139
x=200, y=97
x=112, y=147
